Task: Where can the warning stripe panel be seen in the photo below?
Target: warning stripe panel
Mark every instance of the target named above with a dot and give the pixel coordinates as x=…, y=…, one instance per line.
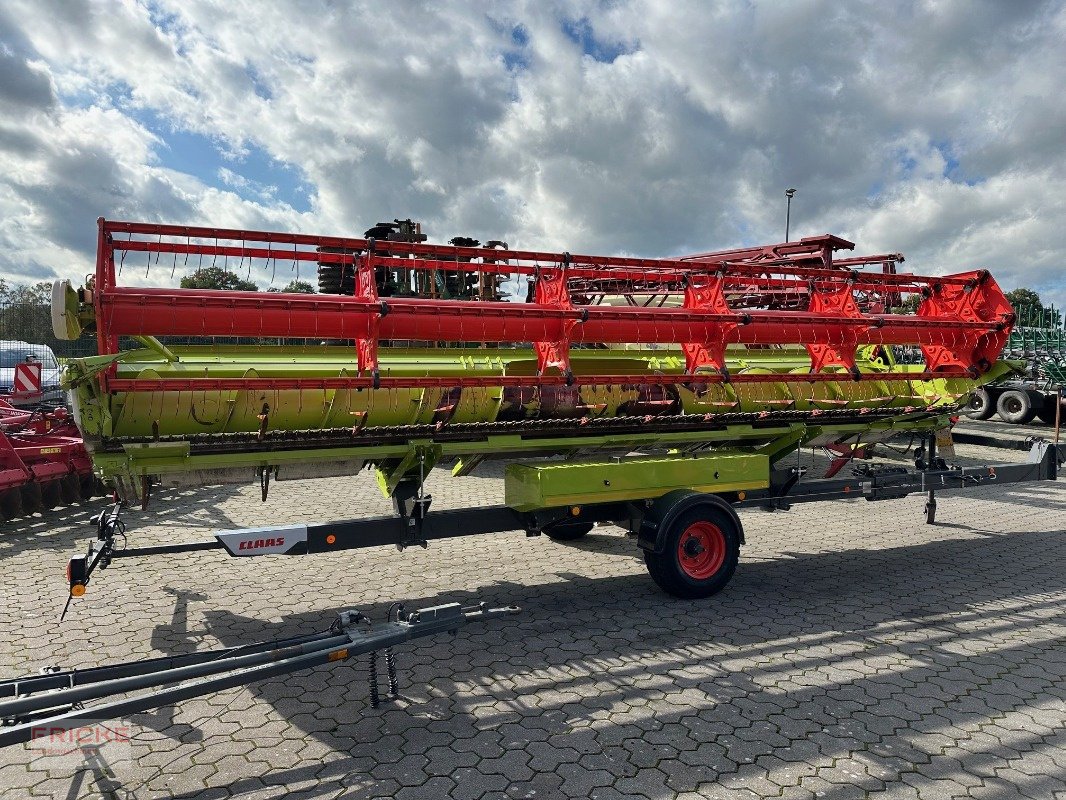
x=27, y=378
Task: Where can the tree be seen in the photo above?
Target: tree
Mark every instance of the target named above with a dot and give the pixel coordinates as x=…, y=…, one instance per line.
x=217, y=278
x=24, y=312
x=1024, y=298
x=35, y=294
x=909, y=306
x=1030, y=309
x=296, y=287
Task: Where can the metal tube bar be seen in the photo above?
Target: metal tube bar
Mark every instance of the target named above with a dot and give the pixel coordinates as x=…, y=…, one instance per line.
x=638, y=267
x=427, y=622
x=492, y=381
x=81, y=677
x=23, y=705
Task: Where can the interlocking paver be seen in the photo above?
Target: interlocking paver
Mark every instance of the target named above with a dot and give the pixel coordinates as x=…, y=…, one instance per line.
x=857, y=651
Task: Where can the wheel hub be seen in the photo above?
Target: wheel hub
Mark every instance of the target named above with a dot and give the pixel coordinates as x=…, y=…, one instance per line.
x=701, y=550
x=693, y=547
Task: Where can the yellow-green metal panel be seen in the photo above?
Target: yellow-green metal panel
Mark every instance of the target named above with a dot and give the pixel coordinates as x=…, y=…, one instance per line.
x=528, y=487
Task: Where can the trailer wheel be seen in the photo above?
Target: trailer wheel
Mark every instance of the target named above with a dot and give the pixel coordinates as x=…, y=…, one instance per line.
x=980, y=405
x=700, y=556
x=568, y=531
x=1015, y=407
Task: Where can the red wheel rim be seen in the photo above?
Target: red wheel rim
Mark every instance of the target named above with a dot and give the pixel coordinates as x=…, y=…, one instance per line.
x=701, y=550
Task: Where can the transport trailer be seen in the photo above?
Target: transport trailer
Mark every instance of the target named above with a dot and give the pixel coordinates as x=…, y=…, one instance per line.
x=690, y=538
x=680, y=508
x=757, y=353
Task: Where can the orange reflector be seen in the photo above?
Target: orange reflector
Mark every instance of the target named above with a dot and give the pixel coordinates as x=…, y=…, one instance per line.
x=575, y=511
x=847, y=489
x=331, y=539
x=741, y=495
x=77, y=590
x=339, y=655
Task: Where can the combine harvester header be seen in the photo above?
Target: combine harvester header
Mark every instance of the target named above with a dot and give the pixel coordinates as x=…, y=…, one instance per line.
x=422, y=350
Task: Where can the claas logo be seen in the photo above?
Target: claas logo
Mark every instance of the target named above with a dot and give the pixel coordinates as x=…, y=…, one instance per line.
x=256, y=544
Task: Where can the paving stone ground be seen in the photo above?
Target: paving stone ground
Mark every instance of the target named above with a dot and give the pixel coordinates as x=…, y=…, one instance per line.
x=857, y=653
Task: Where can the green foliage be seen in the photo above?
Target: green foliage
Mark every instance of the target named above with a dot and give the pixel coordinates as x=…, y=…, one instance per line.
x=34, y=294
x=1024, y=298
x=296, y=287
x=909, y=306
x=25, y=314
x=217, y=278
x=1031, y=311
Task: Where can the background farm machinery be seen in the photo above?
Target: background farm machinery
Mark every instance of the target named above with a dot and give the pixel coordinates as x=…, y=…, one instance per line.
x=43, y=461
x=1036, y=389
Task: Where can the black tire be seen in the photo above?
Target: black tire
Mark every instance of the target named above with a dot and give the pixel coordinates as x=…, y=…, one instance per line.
x=980, y=405
x=87, y=486
x=1015, y=407
x=568, y=531
x=1047, y=411
x=710, y=539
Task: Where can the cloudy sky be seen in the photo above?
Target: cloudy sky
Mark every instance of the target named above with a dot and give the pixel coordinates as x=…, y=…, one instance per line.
x=935, y=127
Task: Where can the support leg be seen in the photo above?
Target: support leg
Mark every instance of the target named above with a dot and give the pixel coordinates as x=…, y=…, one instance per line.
x=930, y=503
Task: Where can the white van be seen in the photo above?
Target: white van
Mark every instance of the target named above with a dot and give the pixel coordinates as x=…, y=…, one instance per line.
x=12, y=353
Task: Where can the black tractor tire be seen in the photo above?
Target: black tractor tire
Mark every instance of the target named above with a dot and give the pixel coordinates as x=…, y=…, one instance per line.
x=1015, y=407
x=701, y=551
x=980, y=405
x=568, y=531
x=87, y=484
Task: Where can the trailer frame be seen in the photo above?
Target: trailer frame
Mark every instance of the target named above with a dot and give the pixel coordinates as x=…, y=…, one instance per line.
x=652, y=519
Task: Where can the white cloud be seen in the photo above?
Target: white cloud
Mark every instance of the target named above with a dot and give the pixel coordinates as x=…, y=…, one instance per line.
x=928, y=127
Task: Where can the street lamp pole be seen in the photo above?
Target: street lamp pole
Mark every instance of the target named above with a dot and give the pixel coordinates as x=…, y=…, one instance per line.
x=789, y=193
